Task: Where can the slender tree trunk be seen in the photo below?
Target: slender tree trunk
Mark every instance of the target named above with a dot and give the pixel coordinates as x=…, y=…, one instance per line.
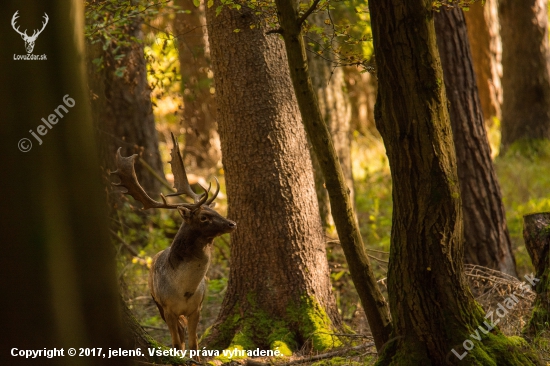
x=536, y=232
x=433, y=311
x=330, y=88
x=279, y=292
x=202, y=142
x=362, y=89
x=485, y=44
x=526, y=77
x=122, y=109
x=486, y=238
x=342, y=209
x=58, y=266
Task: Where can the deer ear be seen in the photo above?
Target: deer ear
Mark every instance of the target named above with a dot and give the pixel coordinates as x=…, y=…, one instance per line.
x=184, y=212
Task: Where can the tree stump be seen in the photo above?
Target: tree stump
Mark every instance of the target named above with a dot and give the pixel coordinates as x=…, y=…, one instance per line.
x=536, y=233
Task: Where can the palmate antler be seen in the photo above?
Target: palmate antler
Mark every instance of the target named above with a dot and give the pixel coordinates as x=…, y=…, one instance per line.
x=128, y=179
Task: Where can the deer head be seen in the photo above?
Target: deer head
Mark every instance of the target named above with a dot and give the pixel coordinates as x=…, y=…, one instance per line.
x=29, y=40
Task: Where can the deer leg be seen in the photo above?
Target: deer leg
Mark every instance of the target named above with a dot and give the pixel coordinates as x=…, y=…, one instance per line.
x=182, y=324
x=173, y=324
x=193, y=321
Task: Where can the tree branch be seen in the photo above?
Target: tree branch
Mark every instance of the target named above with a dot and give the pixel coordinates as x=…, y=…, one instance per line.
x=308, y=12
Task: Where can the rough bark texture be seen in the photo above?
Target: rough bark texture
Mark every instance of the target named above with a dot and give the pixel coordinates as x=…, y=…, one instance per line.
x=433, y=311
x=202, y=142
x=279, y=291
x=122, y=109
x=373, y=301
x=330, y=88
x=485, y=44
x=486, y=238
x=526, y=77
x=536, y=233
x=58, y=269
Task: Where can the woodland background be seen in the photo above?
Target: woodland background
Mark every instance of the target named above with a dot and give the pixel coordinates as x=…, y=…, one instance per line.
x=151, y=71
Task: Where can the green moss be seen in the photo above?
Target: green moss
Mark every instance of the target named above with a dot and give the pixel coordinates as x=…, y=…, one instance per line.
x=305, y=321
x=313, y=323
x=338, y=361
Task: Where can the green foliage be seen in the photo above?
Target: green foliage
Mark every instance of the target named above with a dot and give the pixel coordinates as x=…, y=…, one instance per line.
x=524, y=176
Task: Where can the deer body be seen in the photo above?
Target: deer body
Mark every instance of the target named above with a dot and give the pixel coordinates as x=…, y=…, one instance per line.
x=176, y=278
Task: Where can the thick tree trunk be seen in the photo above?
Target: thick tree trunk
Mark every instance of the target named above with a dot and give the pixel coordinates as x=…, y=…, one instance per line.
x=279, y=292
x=536, y=233
x=526, y=77
x=58, y=266
x=202, y=142
x=486, y=238
x=485, y=44
x=330, y=88
x=122, y=109
x=433, y=311
x=372, y=299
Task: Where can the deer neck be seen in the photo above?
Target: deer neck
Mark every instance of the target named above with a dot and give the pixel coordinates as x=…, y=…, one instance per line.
x=190, y=246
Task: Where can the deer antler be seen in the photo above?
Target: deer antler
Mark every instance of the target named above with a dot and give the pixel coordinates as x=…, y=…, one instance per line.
x=181, y=183
x=13, y=19
x=128, y=179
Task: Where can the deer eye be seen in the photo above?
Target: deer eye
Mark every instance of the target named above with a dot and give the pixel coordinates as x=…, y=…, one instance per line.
x=203, y=218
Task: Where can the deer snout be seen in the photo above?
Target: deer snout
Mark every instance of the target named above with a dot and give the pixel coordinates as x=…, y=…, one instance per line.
x=232, y=225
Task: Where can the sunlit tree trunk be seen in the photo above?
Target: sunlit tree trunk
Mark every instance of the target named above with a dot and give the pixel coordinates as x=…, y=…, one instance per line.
x=526, y=77
x=433, y=311
x=329, y=85
x=372, y=300
x=484, y=36
x=279, y=291
x=486, y=238
x=58, y=265
x=202, y=142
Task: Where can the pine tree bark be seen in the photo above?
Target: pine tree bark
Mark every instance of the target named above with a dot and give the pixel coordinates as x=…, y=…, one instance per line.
x=122, y=109
x=484, y=36
x=58, y=266
x=427, y=291
x=365, y=283
x=330, y=88
x=526, y=76
x=486, y=238
x=536, y=232
x=279, y=291
x=202, y=142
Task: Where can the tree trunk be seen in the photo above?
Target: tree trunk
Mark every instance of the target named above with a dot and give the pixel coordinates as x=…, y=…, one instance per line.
x=536, y=232
x=279, y=291
x=483, y=33
x=58, y=266
x=486, y=238
x=526, y=77
x=432, y=309
x=202, y=142
x=122, y=109
x=362, y=89
x=330, y=88
x=365, y=283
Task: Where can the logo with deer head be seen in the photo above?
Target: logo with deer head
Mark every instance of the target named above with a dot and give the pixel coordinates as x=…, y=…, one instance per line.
x=29, y=40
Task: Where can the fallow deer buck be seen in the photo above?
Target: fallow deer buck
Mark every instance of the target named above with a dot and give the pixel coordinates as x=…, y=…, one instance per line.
x=176, y=277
